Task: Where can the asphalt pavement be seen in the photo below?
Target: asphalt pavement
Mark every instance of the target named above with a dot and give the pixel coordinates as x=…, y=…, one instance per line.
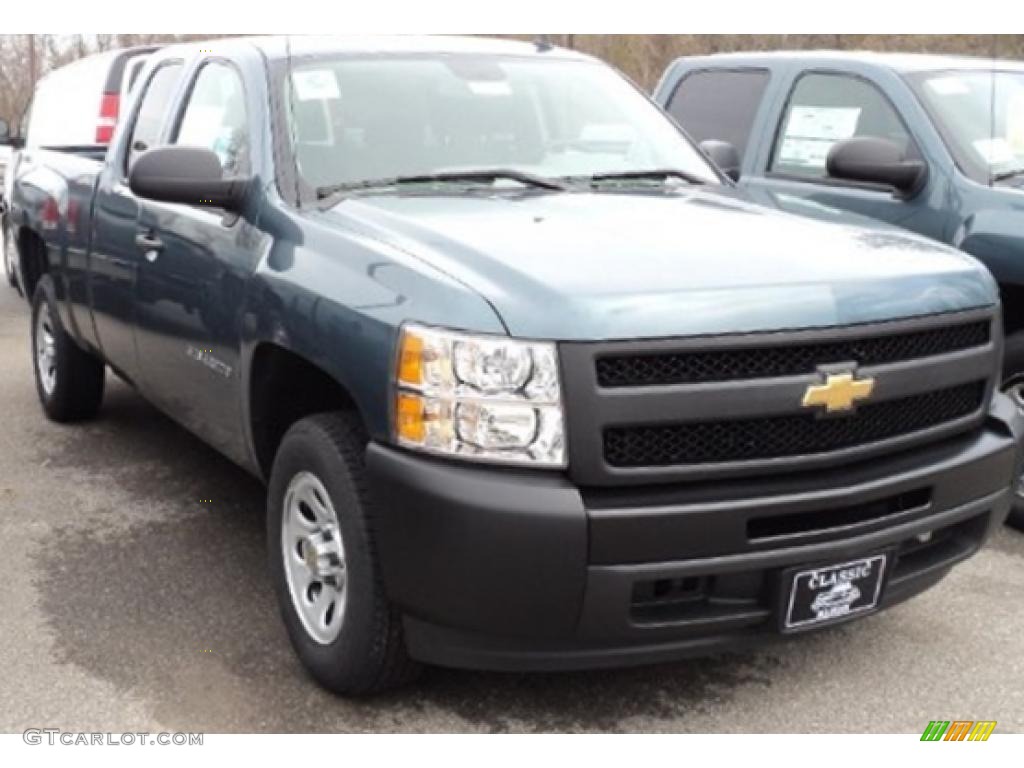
x=134, y=597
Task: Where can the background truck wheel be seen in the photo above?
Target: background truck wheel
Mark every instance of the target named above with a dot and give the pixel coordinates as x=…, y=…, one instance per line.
x=1015, y=389
x=69, y=380
x=323, y=561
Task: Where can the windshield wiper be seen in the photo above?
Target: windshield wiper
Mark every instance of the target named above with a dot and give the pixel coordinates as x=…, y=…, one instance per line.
x=1007, y=175
x=482, y=176
x=657, y=174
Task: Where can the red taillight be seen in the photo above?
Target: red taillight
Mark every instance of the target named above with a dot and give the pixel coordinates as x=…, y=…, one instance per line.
x=50, y=214
x=109, y=106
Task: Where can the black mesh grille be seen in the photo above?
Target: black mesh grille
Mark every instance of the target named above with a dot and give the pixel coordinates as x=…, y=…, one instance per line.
x=640, y=370
x=792, y=435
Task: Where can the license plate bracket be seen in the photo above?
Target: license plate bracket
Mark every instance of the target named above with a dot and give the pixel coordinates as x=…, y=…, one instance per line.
x=828, y=594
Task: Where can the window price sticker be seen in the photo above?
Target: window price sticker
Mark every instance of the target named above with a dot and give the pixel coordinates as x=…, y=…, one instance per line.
x=315, y=85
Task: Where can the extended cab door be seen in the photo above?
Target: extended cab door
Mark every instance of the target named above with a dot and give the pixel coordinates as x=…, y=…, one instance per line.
x=195, y=264
x=822, y=108
x=115, y=255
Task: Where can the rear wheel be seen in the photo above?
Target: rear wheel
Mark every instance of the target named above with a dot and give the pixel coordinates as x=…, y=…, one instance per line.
x=69, y=380
x=10, y=249
x=323, y=560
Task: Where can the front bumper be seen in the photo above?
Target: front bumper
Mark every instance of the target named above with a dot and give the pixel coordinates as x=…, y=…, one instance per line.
x=506, y=569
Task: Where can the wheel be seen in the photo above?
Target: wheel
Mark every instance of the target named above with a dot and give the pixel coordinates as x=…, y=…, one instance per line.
x=69, y=380
x=9, y=248
x=1015, y=389
x=323, y=561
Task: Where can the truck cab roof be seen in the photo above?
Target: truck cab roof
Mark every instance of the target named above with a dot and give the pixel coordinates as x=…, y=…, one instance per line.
x=281, y=46
x=894, y=61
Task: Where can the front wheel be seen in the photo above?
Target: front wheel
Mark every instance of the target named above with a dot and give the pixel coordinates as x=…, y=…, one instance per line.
x=323, y=561
x=1015, y=390
x=69, y=380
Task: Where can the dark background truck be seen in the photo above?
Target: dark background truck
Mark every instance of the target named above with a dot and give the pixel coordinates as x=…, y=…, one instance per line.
x=532, y=386
x=934, y=144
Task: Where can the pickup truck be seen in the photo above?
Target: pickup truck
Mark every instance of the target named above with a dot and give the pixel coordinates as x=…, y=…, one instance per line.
x=531, y=384
x=933, y=144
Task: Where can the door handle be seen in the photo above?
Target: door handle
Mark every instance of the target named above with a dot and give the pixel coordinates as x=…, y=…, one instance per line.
x=149, y=241
x=150, y=244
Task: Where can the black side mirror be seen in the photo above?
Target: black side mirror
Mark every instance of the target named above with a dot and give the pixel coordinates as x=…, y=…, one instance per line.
x=6, y=140
x=724, y=155
x=189, y=175
x=877, y=161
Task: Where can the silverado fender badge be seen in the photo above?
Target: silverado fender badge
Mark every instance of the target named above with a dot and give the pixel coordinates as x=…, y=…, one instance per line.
x=839, y=393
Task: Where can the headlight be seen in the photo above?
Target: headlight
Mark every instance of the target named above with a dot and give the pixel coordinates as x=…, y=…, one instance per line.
x=482, y=397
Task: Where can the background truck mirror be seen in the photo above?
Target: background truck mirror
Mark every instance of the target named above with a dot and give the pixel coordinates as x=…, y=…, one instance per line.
x=877, y=161
x=724, y=155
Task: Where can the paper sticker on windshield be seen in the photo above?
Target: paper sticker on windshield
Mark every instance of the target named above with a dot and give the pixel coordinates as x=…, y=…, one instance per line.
x=994, y=151
x=315, y=84
x=949, y=86
x=833, y=123
x=490, y=87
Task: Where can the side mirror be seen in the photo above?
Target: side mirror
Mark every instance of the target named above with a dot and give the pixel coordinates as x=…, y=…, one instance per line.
x=724, y=155
x=877, y=161
x=189, y=175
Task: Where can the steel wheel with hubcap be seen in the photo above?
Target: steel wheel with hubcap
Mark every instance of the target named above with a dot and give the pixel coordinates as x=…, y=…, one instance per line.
x=9, y=248
x=314, y=557
x=323, y=561
x=46, y=350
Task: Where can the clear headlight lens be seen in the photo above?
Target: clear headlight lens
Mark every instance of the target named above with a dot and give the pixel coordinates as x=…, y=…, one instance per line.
x=487, y=398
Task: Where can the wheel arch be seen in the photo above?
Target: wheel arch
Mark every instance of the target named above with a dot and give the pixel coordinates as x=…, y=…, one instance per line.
x=285, y=386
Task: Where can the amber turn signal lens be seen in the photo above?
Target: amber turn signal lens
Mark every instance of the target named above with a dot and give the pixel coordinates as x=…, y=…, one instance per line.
x=409, y=418
x=410, y=362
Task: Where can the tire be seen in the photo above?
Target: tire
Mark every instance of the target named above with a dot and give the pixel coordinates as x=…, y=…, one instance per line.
x=1013, y=357
x=69, y=380
x=1016, y=517
x=1015, y=389
x=358, y=647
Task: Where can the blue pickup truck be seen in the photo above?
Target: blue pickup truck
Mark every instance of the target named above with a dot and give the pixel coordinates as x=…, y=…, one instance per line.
x=532, y=385
x=932, y=144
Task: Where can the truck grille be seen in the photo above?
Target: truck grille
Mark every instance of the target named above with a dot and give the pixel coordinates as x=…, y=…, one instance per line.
x=650, y=411
x=648, y=370
x=780, y=436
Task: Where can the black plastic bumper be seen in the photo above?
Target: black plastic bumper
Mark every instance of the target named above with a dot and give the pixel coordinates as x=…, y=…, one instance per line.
x=515, y=570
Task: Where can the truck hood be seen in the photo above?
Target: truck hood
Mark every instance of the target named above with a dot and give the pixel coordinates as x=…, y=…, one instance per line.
x=590, y=266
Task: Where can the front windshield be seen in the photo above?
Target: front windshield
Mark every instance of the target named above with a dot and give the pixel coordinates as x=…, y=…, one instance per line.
x=987, y=143
x=367, y=119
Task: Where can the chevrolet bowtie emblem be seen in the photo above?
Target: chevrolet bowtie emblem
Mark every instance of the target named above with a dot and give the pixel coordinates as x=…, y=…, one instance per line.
x=839, y=393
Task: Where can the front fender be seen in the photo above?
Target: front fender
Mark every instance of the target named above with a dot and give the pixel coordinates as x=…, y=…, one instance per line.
x=338, y=299
x=996, y=238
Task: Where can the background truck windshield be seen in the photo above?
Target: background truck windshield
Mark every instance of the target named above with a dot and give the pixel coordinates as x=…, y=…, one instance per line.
x=356, y=120
x=985, y=142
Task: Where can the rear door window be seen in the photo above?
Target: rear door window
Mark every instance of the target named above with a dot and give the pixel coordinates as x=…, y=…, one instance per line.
x=152, y=111
x=826, y=108
x=720, y=104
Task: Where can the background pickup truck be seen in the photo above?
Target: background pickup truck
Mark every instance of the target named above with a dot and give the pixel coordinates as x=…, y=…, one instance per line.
x=934, y=144
x=531, y=384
